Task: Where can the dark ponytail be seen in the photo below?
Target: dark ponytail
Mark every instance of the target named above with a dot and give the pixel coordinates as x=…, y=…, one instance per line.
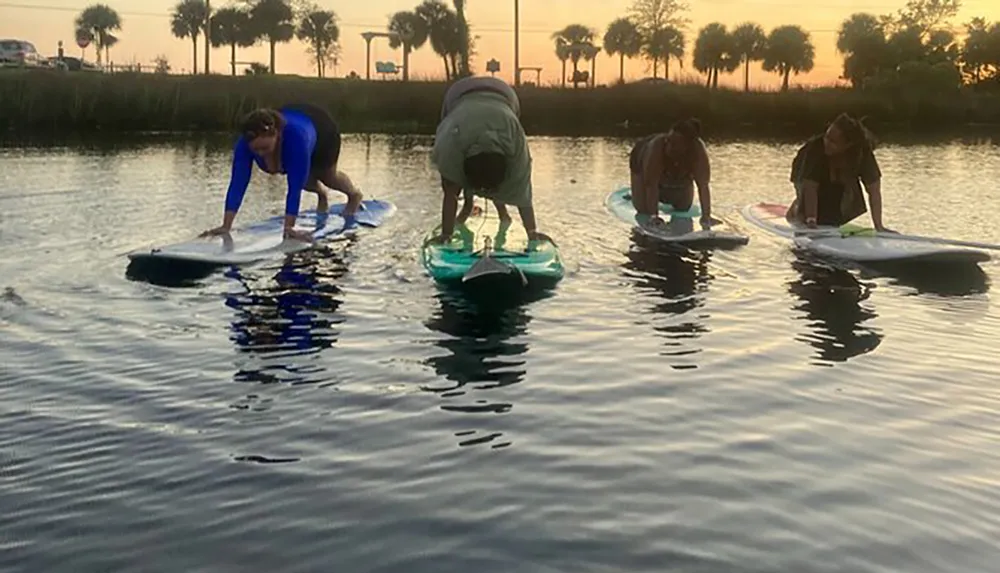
x=690, y=128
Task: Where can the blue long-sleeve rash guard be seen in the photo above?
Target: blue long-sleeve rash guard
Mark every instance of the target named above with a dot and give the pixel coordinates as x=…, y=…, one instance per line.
x=298, y=138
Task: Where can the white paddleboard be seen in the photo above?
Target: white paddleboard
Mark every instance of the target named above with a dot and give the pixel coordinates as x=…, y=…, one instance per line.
x=847, y=243
x=680, y=227
x=264, y=240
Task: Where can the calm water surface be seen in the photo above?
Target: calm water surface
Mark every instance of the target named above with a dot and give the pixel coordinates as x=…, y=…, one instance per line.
x=736, y=411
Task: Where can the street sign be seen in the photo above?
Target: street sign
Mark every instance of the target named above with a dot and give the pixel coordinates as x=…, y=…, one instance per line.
x=83, y=40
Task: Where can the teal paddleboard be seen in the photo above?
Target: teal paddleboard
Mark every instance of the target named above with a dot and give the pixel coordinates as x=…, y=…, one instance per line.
x=679, y=227
x=485, y=251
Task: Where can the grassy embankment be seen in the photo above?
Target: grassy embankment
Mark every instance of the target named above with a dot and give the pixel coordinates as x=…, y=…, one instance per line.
x=77, y=103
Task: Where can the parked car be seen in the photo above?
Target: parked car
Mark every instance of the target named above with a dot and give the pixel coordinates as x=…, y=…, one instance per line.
x=19, y=53
x=73, y=64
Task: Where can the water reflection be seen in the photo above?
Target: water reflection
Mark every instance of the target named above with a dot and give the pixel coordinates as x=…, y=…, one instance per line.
x=830, y=297
x=485, y=351
x=678, y=279
x=282, y=316
x=954, y=280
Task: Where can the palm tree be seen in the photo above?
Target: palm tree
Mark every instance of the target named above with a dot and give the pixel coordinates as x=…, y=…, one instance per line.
x=575, y=39
x=663, y=44
x=861, y=39
x=231, y=27
x=977, y=49
x=713, y=51
x=562, y=52
x=98, y=21
x=206, y=27
x=272, y=19
x=442, y=27
x=590, y=53
x=464, y=41
x=411, y=33
x=622, y=38
x=319, y=28
x=748, y=41
x=186, y=22
x=789, y=49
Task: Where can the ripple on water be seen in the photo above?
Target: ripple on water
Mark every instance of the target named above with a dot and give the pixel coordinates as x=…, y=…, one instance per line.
x=743, y=410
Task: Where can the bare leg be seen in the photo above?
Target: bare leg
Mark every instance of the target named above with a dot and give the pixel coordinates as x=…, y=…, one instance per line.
x=339, y=181
x=502, y=212
x=636, y=192
x=322, y=197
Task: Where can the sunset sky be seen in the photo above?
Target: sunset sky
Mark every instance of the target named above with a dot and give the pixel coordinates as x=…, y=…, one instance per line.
x=146, y=33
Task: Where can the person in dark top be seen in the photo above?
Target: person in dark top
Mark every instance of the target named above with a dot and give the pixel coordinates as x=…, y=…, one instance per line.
x=828, y=172
x=301, y=141
x=665, y=167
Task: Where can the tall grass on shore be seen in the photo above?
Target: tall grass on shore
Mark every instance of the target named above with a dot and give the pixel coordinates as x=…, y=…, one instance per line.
x=54, y=102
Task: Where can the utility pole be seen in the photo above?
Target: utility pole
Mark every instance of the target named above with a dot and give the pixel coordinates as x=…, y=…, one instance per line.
x=517, y=53
x=208, y=33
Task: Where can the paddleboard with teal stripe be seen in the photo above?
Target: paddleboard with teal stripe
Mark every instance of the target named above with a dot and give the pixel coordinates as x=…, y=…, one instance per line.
x=679, y=227
x=514, y=261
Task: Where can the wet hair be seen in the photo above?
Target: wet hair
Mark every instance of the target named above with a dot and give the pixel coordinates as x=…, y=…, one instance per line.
x=859, y=141
x=263, y=121
x=690, y=130
x=485, y=170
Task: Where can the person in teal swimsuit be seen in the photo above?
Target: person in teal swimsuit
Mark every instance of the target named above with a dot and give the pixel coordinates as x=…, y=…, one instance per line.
x=481, y=149
x=301, y=141
x=666, y=168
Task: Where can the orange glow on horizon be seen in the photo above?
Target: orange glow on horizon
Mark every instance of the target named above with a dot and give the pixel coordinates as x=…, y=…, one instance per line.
x=146, y=33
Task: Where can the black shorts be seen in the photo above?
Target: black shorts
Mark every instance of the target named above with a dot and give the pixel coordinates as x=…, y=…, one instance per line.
x=326, y=152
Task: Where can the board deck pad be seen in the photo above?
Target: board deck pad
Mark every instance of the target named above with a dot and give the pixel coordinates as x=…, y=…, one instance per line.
x=521, y=262
x=855, y=242
x=681, y=227
x=264, y=239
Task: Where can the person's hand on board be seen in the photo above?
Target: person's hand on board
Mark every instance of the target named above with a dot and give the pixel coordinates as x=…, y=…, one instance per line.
x=299, y=235
x=540, y=236
x=708, y=221
x=216, y=232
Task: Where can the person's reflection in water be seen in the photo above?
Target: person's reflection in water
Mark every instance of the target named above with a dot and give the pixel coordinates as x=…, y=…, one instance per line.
x=679, y=278
x=287, y=315
x=481, y=355
x=830, y=297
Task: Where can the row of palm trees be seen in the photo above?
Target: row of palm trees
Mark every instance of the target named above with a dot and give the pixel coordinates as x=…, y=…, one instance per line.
x=276, y=21
x=785, y=50
x=270, y=21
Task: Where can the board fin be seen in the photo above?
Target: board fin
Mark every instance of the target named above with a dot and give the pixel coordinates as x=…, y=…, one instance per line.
x=488, y=265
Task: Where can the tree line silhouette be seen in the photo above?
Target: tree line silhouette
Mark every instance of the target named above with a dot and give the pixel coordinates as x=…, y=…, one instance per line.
x=915, y=45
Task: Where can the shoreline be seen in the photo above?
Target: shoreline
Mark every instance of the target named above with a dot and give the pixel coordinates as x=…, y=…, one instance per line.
x=46, y=103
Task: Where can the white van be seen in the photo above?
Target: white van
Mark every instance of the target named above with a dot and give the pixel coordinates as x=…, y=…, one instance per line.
x=19, y=53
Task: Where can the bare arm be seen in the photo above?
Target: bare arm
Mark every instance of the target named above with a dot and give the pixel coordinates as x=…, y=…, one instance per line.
x=810, y=201
x=470, y=201
x=702, y=178
x=874, y=190
x=449, y=206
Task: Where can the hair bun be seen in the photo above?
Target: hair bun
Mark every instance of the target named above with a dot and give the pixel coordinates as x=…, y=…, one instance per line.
x=695, y=124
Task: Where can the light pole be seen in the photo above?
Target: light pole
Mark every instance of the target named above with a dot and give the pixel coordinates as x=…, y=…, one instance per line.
x=517, y=54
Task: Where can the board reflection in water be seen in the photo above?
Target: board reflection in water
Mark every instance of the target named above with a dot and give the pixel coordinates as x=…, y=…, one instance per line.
x=485, y=347
x=283, y=315
x=675, y=279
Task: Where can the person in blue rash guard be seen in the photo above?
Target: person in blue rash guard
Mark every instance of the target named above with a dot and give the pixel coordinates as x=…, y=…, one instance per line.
x=301, y=141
